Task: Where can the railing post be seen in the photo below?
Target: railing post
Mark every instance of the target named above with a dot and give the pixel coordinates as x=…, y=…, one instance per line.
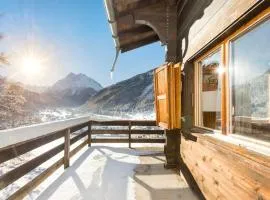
x=67, y=149
x=129, y=134
x=89, y=134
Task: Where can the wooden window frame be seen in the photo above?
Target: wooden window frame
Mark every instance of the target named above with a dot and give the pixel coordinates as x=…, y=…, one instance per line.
x=224, y=46
x=198, y=80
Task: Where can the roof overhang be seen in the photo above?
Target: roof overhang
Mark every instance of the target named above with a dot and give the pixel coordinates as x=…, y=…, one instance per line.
x=129, y=33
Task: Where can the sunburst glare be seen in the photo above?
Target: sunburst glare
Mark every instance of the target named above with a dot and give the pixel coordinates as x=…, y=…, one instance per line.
x=31, y=65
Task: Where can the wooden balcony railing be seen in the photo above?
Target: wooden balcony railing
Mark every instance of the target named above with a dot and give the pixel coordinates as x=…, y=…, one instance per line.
x=71, y=135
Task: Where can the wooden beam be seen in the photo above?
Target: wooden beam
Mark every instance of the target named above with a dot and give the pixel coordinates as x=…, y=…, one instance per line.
x=67, y=149
x=127, y=39
x=140, y=43
x=125, y=7
x=137, y=29
x=89, y=134
x=154, y=16
x=129, y=135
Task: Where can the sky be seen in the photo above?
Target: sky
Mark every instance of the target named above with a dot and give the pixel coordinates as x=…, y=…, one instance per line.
x=66, y=36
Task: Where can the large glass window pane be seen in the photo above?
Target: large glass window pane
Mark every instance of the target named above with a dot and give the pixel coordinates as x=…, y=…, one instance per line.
x=250, y=82
x=210, y=85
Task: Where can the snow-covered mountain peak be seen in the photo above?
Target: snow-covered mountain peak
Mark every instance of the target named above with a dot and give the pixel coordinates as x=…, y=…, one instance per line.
x=73, y=81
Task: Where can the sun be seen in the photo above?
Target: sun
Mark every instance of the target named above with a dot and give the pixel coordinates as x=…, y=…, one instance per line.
x=31, y=65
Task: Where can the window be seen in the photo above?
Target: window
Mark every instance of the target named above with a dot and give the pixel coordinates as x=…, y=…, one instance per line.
x=232, y=82
x=210, y=91
x=250, y=82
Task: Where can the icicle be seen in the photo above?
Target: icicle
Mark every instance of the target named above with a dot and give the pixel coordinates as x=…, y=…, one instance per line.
x=114, y=62
x=111, y=74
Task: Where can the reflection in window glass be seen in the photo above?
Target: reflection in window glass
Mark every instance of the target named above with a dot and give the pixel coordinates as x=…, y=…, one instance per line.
x=210, y=91
x=250, y=82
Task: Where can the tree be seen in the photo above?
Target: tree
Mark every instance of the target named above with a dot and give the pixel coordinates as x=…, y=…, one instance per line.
x=12, y=103
x=3, y=58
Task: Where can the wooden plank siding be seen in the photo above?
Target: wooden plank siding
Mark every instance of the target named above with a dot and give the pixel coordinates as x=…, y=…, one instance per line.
x=226, y=171
x=218, y=16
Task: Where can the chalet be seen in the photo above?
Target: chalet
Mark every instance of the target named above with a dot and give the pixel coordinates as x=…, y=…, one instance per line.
x=212, y=100
x=212, y=94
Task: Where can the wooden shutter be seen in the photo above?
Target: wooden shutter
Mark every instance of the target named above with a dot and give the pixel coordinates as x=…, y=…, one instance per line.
x=168, y=96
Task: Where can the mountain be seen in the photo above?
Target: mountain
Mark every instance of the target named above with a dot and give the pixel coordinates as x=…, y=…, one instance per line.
x=252, y=97
x=73, y=90
x=131, y=95
x=75, y=81
x=35, y=88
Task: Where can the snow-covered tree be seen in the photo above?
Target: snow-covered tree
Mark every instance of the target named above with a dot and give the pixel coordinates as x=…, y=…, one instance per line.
x=3, y=58
x=12, y=102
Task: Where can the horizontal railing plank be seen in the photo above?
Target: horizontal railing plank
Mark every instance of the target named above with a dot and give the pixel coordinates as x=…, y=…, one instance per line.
x=15, y=150
x=124, y=123
x=147, y=132
x=109, y=131
x=161, y=140
x=27, y=188
x=20, y=171
x=78, y=137
x=78, y=148
x=133, y=131
x=143, y=123
x=109, y=140
x=78, y=127
x=116, y=140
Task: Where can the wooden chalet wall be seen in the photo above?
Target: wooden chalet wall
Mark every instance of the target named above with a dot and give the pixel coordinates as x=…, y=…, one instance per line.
x=226, y=171
x=208, y=19
x=221, y=170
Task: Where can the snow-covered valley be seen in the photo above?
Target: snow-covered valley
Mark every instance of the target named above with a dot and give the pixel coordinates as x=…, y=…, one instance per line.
x=74, y=96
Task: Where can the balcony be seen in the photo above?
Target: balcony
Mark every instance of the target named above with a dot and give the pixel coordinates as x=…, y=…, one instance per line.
x=66, y=160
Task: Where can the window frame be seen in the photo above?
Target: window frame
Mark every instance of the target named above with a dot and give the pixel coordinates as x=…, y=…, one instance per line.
x=224, y=46
x=198, y=86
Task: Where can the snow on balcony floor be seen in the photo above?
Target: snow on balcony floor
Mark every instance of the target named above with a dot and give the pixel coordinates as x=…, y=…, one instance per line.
x=114, y=173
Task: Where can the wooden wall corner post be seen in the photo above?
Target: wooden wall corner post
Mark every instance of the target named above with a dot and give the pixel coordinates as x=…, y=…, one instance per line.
x=172, y=148
x=67, y=149
x=89, y=139
x=129, y=134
